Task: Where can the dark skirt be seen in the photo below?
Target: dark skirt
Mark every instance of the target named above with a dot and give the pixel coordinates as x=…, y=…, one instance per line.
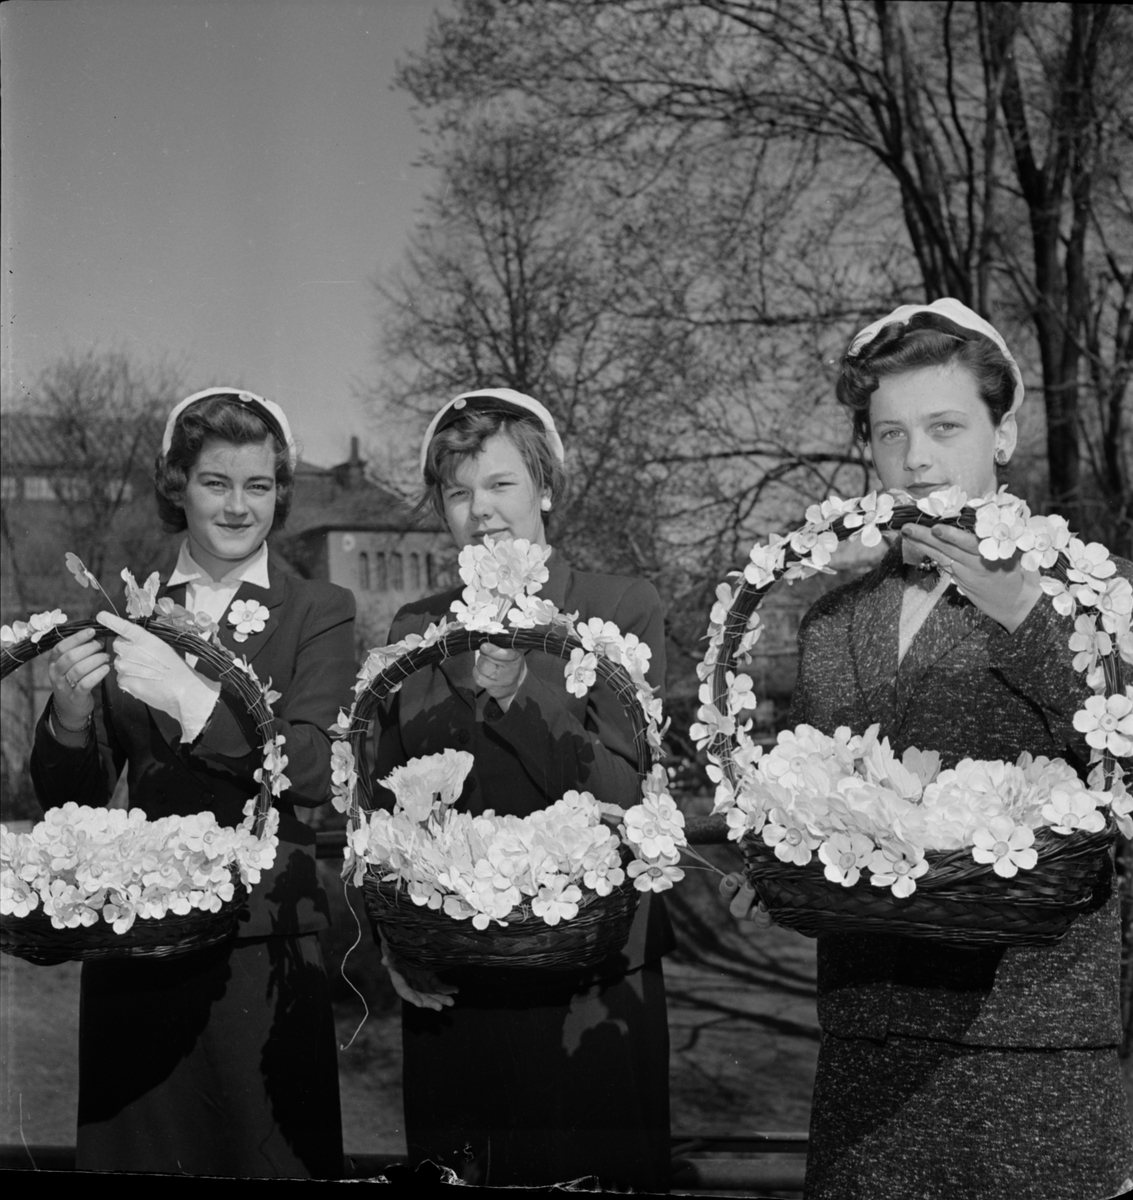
x=531, y=1079
x=909, y=1118
x=221, y=1062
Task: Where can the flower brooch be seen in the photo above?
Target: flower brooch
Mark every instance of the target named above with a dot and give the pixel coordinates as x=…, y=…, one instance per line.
x=249, y=616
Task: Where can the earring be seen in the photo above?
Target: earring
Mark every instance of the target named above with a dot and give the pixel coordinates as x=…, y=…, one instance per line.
x=545, y=504
x=1001, y=457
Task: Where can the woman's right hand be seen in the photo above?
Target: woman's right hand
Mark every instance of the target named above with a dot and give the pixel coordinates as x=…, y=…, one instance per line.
x=75, y=667
x=743, y=902
x=417, y=986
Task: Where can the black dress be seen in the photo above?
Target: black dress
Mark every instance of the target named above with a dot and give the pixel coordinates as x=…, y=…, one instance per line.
x=221, y=1062
x=539, y=1077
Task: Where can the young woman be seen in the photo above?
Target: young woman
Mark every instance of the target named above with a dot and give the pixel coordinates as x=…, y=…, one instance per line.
x=223, y=1061
x=529, y=1077
x=946, y=1071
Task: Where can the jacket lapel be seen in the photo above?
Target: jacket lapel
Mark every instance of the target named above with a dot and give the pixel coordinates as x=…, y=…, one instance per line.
x=874, y=639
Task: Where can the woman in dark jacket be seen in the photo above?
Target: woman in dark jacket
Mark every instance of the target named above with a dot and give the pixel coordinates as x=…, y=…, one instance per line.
x=529, y=1077
x=946, y=1071
x=222, y=1061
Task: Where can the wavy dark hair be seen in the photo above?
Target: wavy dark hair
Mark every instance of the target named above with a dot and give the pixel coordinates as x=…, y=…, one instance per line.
x=215, y=419
x=465, y=438
x=926, y=340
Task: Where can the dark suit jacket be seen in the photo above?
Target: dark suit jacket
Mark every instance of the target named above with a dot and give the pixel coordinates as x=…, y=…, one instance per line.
x=967, y=688
x=548, y=741
x=306, y=650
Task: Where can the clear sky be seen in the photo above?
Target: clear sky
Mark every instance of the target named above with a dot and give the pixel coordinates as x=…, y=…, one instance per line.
x=218, y=182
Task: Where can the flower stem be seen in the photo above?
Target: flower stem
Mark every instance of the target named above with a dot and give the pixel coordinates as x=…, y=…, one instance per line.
x=707, y=865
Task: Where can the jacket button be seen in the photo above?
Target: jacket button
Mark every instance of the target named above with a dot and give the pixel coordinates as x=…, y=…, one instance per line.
x=463, y=736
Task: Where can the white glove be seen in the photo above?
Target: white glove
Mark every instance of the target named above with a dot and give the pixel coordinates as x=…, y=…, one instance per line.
x=157, y=675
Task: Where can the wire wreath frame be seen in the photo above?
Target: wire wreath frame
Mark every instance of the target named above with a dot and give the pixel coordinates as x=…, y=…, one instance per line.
x=958, y=900
x=430, y=939
x=33, y=937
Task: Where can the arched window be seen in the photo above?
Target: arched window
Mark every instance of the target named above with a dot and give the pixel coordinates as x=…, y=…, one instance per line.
x=382, y=578
x=415, y=572
x=364, y=571
x=396, y=572
x=430, y=572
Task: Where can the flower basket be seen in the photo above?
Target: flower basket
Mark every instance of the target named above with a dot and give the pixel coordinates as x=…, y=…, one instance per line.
x=34, y=935
x=429, y=938
x=1028, y=894
x=548, y=891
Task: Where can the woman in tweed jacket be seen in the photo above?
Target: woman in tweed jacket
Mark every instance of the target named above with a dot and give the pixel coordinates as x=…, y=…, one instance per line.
x=949, y=1071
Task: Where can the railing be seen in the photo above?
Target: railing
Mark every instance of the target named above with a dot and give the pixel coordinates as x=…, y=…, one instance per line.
x=720, y=1165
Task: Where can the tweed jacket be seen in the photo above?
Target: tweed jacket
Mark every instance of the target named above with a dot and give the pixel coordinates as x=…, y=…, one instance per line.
x=306, y=650
x=967, y=688
x=548, y=741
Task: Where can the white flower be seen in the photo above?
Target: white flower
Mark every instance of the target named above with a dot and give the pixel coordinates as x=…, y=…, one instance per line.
x=428, y=780
x=581, y=672
x=1107, y=722
x=557, y=902
x=1006, y=846
x=140, y=601
x=948, y=502
x=1043, y=539
x=897, y=866
x=1115, y=604
x=817, y=545
x=764, y=562
x=999, y=528
x=1088, y=562
x=1087, y=641
x=249, y=616
x=11, y=634
x=41, y=623
x=1073, y=808
x=845, y=854
x=655, y=876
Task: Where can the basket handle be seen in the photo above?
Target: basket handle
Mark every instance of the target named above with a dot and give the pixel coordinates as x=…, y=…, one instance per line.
x=749, y=597
x=547, y=639
x=231, y=677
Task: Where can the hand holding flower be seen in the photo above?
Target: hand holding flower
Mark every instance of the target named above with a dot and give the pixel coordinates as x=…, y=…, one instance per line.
x=999, y=587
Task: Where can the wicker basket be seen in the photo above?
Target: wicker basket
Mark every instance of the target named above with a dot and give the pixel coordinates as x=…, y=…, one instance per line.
x=35, y=939
x=427, y=938
x=959, y=900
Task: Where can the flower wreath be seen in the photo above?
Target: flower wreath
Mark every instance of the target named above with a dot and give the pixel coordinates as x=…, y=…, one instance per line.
x=81, y=862
x=488, y=868
x=848, y=799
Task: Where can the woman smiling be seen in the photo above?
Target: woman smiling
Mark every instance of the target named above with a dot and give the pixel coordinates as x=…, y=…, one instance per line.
x=529, y=1077
x=220, y=1061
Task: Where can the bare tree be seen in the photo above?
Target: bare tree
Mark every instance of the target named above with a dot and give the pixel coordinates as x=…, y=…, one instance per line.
x=990, y=142
x=77, y=454
x=531, y=273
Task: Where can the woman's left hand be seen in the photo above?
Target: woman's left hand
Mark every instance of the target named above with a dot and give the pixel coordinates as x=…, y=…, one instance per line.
x=500, y=671
x=1000, y=588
